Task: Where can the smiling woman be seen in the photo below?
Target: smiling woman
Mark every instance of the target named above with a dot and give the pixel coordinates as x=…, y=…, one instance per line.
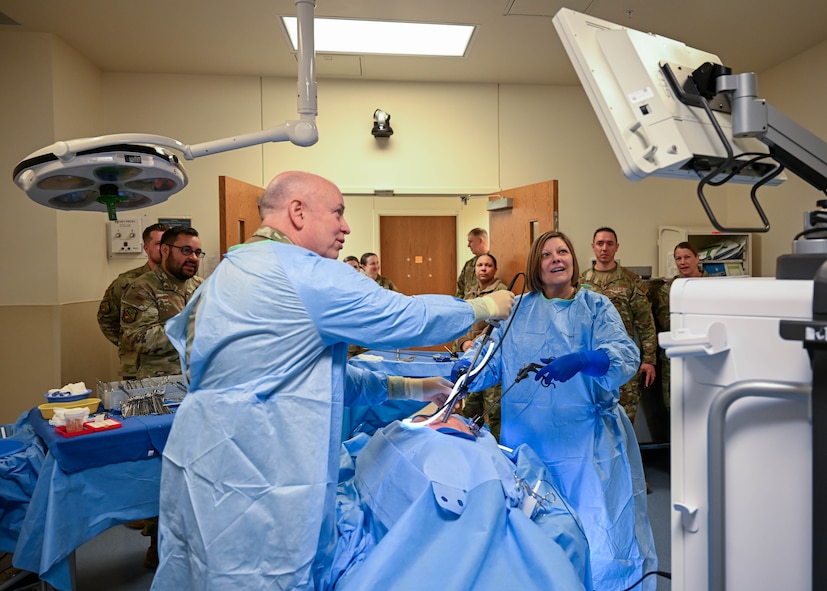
x=586, y=355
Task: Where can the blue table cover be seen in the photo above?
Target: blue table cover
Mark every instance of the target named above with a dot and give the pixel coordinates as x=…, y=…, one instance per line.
x=139, y=438
x=86, y=485
x=70, y=508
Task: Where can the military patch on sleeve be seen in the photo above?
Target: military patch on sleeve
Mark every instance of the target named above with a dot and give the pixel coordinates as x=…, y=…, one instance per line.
x=129, y=314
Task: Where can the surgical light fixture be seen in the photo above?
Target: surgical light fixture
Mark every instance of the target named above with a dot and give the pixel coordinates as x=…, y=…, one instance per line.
x=386, y=37
x=133, y=170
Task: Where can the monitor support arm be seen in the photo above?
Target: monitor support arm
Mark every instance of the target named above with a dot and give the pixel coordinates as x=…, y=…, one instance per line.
x=791, y=145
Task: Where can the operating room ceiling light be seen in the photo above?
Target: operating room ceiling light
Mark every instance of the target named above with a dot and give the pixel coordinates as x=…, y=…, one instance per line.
x=103, y=178
x=133, y=170
x=386, y=37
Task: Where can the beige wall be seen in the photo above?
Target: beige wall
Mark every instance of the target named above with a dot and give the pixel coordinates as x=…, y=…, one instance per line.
x=450, y=140
x=550, y=132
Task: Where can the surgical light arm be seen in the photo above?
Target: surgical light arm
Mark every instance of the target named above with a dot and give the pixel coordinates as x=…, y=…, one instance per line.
x=134, y=170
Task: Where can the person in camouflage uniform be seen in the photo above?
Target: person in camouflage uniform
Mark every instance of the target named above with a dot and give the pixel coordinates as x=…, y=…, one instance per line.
x=109, y=310
x=370, y=264
x=146, y=305
x=629, y=295
x=157, y=296
x=476, y=403
x=688, y=263
x=467, y=279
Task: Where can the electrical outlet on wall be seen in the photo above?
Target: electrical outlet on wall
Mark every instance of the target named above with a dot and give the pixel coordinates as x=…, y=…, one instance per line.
x=123, y=238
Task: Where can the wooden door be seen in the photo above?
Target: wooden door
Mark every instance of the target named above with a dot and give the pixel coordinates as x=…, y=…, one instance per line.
x=419, y=253
x=237, y=211
x=512, y=231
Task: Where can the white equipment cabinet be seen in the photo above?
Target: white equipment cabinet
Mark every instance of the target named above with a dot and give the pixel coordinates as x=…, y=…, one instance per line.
x=670, y=236
x=741, y=436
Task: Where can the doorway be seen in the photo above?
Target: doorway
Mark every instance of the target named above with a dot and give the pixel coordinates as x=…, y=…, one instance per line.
x=419, y=253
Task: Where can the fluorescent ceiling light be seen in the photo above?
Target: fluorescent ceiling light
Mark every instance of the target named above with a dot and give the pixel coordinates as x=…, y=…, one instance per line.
x=384, y=37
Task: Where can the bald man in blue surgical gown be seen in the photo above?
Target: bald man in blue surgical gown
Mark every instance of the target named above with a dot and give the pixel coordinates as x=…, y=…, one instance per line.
x=250, y=469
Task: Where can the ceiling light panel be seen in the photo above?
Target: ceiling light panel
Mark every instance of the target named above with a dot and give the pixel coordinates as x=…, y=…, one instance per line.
x=385, y=37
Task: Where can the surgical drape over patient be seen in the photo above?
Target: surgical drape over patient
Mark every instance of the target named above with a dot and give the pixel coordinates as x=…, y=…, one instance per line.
x=445, y=512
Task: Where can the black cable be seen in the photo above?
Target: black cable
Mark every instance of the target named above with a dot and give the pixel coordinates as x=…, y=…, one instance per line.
x=741, y=165
x=490, y=329
x=463, y=391
x=816, y=217
x=809, y=231
x=708, y=180
x=660, y=573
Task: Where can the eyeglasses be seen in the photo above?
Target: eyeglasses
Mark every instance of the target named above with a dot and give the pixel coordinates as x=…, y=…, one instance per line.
x=187, y=251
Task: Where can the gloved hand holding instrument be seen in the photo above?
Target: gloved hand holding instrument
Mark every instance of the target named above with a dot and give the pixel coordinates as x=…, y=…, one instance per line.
x=563, y=368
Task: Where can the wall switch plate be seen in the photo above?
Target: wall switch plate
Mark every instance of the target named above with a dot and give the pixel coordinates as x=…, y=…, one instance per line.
x=123, y=238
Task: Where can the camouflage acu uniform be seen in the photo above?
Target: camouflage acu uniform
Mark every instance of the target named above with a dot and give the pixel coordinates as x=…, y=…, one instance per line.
x=476, y=403
x=661, y=309
x=467, y=279
x=266, y=233
x=150, y=301
x=629, y=295
x=386, y=283
x=109, y=319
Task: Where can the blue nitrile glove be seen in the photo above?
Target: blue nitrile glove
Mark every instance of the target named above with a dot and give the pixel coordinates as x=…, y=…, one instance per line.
x=460, y=367
x=591, y=363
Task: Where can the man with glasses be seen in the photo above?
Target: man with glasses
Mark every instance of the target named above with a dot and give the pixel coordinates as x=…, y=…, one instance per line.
x=109, y=310
x=151, y=300
x=157, y=296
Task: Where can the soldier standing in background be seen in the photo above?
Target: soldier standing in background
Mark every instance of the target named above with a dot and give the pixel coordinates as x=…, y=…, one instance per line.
x=628, y=293
x=157, y=296
x=151, y=300
x=688, y=264
x=109, y=311
x=477, y=403
x=467, y=280
x=371, y=268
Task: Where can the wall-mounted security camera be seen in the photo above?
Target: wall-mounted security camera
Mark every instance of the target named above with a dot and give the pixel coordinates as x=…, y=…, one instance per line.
x=381, y=124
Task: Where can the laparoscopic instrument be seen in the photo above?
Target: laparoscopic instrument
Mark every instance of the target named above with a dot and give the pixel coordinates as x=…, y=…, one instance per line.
x=485, y=351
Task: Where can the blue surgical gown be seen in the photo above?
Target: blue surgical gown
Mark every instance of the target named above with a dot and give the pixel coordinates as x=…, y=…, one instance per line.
x=249, y=476
x=577, y=427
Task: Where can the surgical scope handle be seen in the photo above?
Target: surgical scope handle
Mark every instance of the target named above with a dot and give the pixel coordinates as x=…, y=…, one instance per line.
x=486, y=335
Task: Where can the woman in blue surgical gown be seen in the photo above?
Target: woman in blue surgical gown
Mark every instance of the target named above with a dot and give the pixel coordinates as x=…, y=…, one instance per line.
x=574, y=422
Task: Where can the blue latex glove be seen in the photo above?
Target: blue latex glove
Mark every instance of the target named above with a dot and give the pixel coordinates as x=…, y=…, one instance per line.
x=460, y=367
x=591, y=363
